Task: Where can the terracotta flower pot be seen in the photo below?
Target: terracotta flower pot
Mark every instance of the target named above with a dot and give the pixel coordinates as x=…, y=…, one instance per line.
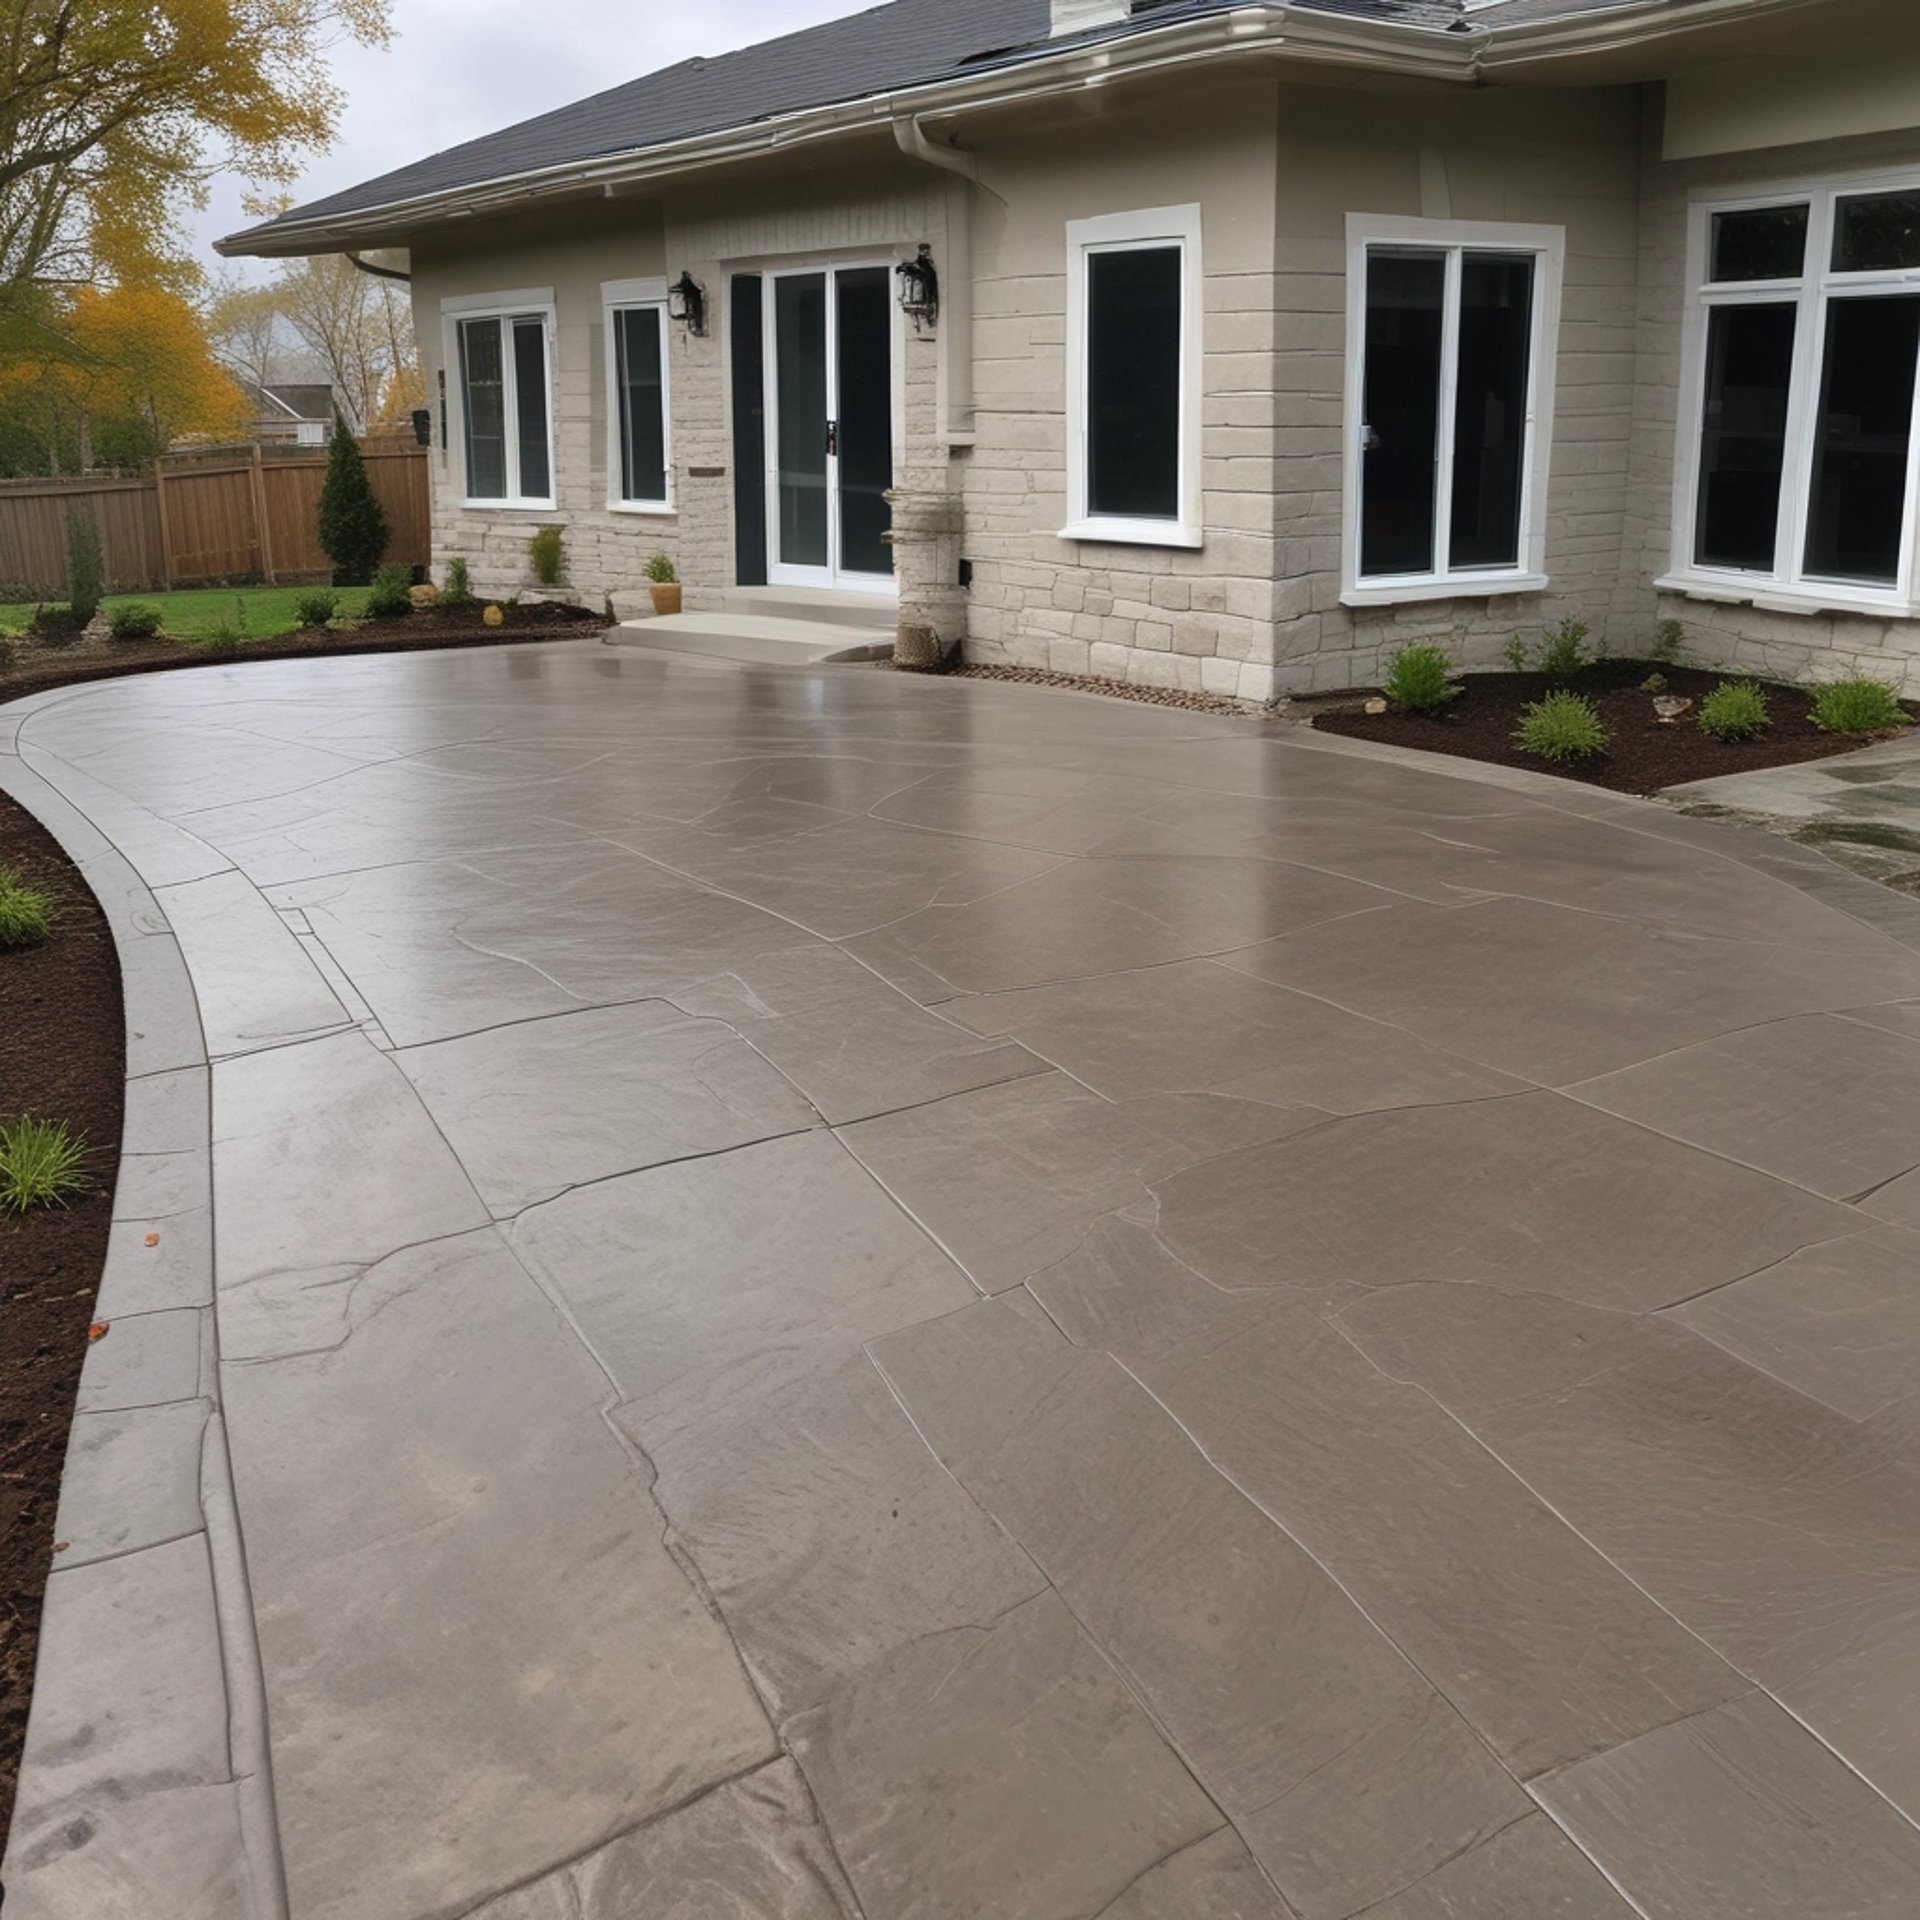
x=665, y=595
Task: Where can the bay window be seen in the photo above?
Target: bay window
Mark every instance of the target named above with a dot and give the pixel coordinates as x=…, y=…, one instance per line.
x=1450, y=382
x=1796, y=475
x=501, y=354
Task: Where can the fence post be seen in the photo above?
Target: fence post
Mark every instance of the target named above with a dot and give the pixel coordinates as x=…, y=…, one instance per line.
x=166, y=526
x=260, y=519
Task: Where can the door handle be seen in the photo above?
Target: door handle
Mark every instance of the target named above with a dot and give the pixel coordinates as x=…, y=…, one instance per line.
x=1370, y=441
x=833, y=438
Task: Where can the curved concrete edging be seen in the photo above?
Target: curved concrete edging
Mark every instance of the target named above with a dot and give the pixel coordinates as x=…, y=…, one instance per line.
x=126, y=1762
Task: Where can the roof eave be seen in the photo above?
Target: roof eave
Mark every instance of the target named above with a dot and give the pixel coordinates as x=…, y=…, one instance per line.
x=1267, y=32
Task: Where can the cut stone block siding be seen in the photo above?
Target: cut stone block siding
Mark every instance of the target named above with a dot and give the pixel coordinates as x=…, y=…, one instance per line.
x=1257, y=610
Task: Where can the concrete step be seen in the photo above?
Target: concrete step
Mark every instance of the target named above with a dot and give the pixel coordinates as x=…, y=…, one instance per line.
x=762, y=639
x=834, y=607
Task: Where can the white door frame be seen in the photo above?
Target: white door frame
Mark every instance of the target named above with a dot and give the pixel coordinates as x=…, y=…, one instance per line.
x=832, y=575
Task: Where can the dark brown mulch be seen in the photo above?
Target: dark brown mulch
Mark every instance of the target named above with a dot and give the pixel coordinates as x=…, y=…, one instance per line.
x=34, y=670
x=1644, y=756
x=63, y=1058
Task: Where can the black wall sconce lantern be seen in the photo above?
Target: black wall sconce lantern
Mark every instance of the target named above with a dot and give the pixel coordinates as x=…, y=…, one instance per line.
x=687, y=303
x=920, y=289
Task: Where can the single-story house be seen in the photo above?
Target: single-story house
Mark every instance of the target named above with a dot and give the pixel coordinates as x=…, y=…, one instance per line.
x=291, y=412
x=1220, y=344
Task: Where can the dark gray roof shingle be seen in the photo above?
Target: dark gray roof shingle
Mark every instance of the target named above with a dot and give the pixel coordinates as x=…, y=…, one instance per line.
x=902, y=44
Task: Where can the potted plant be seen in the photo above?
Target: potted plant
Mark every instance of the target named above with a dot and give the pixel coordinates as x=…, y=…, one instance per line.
x=663, y=584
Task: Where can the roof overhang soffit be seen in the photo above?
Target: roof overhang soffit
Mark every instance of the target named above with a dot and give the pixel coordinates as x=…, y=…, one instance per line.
x=1279, y=35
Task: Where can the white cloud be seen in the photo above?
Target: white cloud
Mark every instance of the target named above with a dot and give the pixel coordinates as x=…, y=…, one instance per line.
x=461, y=68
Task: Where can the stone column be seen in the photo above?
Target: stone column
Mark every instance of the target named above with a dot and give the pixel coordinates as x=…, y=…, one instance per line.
x=928, y=521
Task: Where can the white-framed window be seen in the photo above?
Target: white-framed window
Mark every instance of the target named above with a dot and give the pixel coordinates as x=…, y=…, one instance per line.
x=1795, y=479
x=1452, y=346
x=639, y=397
x=499, y=351
x=1134, y=311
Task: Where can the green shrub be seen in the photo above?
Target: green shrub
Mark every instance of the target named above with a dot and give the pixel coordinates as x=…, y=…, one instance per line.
x=1516, y=652
x=353, y=528
x=1858, y=706
x=660, y=570
x=1420, y=678
x=547, y=553
x=86, y=570
x=135, y=622
x=1563, y=726
x=314, y=610
x=40, y=1164
x=225, y=638
x=1668, y=638
x=392, y=594
x=26, y=914
x=1564, y=650
x=1735, y=710
x=458, y=589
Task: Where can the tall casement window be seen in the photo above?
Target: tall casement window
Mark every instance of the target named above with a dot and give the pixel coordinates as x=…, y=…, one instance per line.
x=1796, y=476
x=639, y=415
x=1133, y=378
x=1451, y=331
x=502, y=356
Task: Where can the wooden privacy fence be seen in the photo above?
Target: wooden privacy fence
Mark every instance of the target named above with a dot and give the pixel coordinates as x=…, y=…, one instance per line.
x=228, y=513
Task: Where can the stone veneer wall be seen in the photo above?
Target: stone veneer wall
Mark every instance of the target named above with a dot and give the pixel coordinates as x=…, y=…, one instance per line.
x=1725, y=633
x=1276, y=169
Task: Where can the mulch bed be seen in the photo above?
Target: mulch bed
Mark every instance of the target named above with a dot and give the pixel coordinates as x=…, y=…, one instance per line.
x=1644, y=756
x=37, y=667
x=64, y=1059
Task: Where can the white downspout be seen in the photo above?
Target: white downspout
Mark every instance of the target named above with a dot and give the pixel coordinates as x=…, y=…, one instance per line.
x=956, y=279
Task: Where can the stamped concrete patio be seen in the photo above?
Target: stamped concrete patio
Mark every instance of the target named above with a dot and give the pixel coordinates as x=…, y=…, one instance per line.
x=820, y=1294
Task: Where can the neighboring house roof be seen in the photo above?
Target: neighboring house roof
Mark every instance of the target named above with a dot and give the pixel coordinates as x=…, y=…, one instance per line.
x=889, y=49
x=297, y=400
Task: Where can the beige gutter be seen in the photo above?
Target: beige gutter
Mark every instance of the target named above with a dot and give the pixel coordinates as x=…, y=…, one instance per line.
x=1259, y=32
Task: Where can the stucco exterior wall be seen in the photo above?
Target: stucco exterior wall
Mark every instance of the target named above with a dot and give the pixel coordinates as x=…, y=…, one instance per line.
x=1720, y=630
x=880, y=210
x=1566, y=160
x=1156, y=616
x=573, y=255
x=1276, y=168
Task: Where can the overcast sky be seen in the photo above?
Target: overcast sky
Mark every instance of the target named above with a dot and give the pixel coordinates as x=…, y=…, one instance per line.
x=460, y=68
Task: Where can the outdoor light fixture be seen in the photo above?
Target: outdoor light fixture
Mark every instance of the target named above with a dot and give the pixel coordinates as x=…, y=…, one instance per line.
x=687, y=303
x=920, y=289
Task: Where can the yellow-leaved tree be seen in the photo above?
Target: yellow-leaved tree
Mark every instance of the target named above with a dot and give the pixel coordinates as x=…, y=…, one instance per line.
x=117, y=376
x=115, y=113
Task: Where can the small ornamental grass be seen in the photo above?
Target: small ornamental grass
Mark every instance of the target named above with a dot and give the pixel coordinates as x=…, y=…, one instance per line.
x=26, y=914
x=225, y=638
x=1858, y=706
x=1562, y=727
x=40, y=1164
x=1563, y=652
x=134, y=622
x=547, y=555
x=391, y=596
x=1735, y=710
x=1420, y=679
x=314, y=610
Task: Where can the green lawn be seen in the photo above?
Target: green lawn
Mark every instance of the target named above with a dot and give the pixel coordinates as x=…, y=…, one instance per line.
x=259, y=612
